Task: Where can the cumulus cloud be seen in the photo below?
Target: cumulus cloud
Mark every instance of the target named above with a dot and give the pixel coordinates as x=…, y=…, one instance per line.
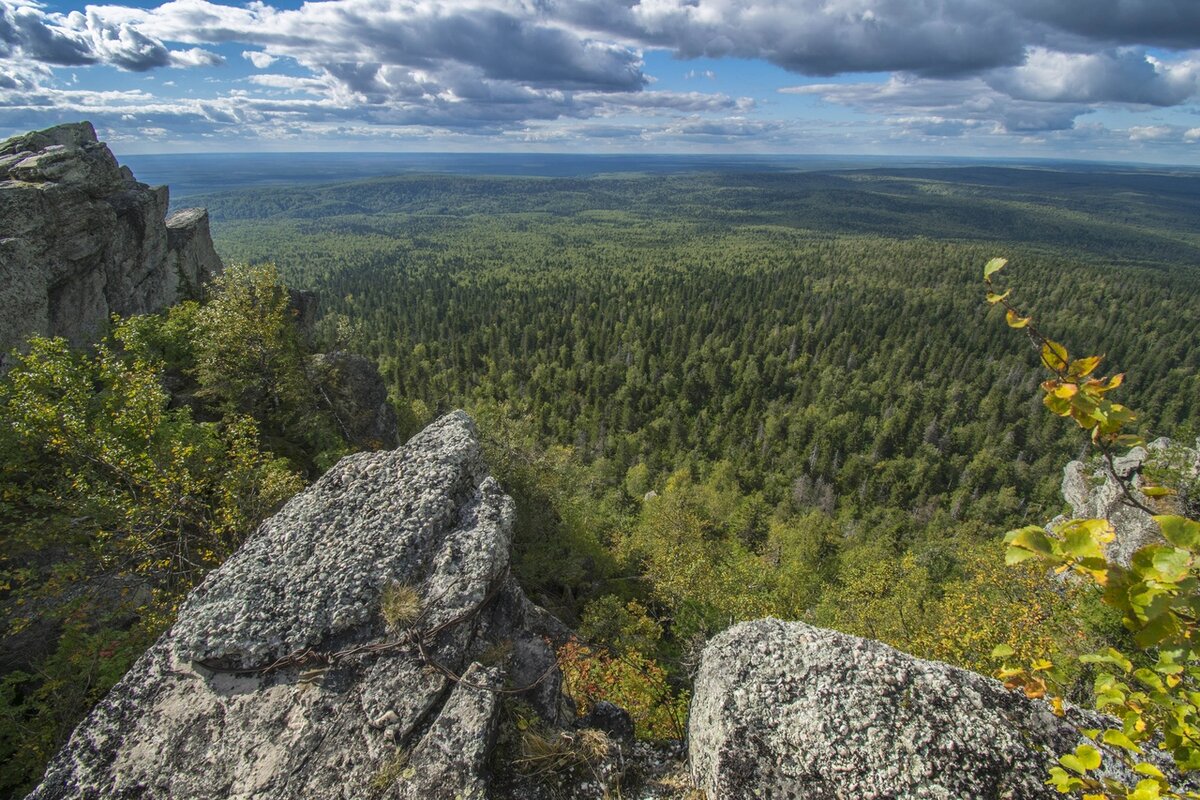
x=1164, y=23
x=78, y=39
x=956, y=105
x=259, y=58
x=1117, y=76
x=502, y=40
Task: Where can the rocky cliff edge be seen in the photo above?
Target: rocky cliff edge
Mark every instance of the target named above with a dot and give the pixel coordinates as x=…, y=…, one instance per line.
x=340, y=652
x=81, y=239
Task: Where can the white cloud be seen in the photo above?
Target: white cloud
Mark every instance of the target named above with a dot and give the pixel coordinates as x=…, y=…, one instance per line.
x=971, y=103
x=259, y=58
x=1024, y=69
x=1142, y=133
x=1115, y=76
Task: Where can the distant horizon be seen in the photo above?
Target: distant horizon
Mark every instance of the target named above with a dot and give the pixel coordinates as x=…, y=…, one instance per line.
x=902, y=156
x=194, y=174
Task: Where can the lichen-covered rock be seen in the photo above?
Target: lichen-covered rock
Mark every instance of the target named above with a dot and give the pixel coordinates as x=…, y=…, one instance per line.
x=281, y=679
x=81, y=239
x=786, y=710
x=355, y=393
x=1092, y=493
x=450, y=761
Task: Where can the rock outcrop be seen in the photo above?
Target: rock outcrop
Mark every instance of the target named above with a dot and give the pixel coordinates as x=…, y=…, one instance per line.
x=1092, y=493
x=783, y=709
x=357, y=396
x=282, y=678
x=81, y=239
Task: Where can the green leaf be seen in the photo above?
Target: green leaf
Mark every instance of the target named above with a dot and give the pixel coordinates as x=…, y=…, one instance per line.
x=1072, y=763
x=1118, y=739
x=1088, y=756
x=992, y=267
x=1109, y=656
x=1027, y=542
x=1015, y=555
x=1179, y=531
x=1171, y=563
x=1146, y=790
x=1034, y=538
x=1157, y=629
x=1002, y=651
x=1057, y=405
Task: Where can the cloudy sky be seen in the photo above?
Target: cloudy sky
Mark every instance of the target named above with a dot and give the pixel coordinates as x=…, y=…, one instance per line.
x=1091, y=79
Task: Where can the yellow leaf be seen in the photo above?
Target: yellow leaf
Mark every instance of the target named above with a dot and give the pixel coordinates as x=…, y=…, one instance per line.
x=1054, y=356
x=1015, y=321
x=1082, y=367
x=992, y=267
x=994, y=298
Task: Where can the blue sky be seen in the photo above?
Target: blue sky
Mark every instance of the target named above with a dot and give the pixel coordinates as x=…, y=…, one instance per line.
x=1094, y=79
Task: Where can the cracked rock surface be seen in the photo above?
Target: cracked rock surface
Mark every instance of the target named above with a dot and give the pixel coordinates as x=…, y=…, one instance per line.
x=210, y=712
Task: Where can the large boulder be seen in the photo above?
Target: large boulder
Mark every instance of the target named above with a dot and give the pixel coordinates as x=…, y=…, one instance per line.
x=81, y=239
x=786, y=710
x=283, y=679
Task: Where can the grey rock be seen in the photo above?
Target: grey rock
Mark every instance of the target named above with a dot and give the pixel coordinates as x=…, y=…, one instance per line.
x=1092, y=493
x=211, y=711
x=355, y=392
x=783, y=709
x=73, y=134
x=450, y=761
x=190, y=247
x=81, y=240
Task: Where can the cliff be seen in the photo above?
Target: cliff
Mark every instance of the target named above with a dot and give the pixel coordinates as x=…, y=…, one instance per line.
x=81, y=239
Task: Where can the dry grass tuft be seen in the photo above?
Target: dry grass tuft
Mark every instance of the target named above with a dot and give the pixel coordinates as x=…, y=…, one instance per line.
x=400, y=605
x=390, y=771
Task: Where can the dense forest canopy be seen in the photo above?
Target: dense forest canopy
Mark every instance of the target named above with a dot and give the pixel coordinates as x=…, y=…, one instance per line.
x=817, y=331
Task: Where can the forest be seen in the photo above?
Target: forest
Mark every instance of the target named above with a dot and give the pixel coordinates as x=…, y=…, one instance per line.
x=721, y=396
x=714, y=397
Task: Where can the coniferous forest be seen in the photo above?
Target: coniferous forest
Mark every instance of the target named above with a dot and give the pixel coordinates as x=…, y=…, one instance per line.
x=714, y=397
x=720, y=396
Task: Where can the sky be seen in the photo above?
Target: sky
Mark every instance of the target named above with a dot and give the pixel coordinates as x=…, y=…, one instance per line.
x=1110, y=80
